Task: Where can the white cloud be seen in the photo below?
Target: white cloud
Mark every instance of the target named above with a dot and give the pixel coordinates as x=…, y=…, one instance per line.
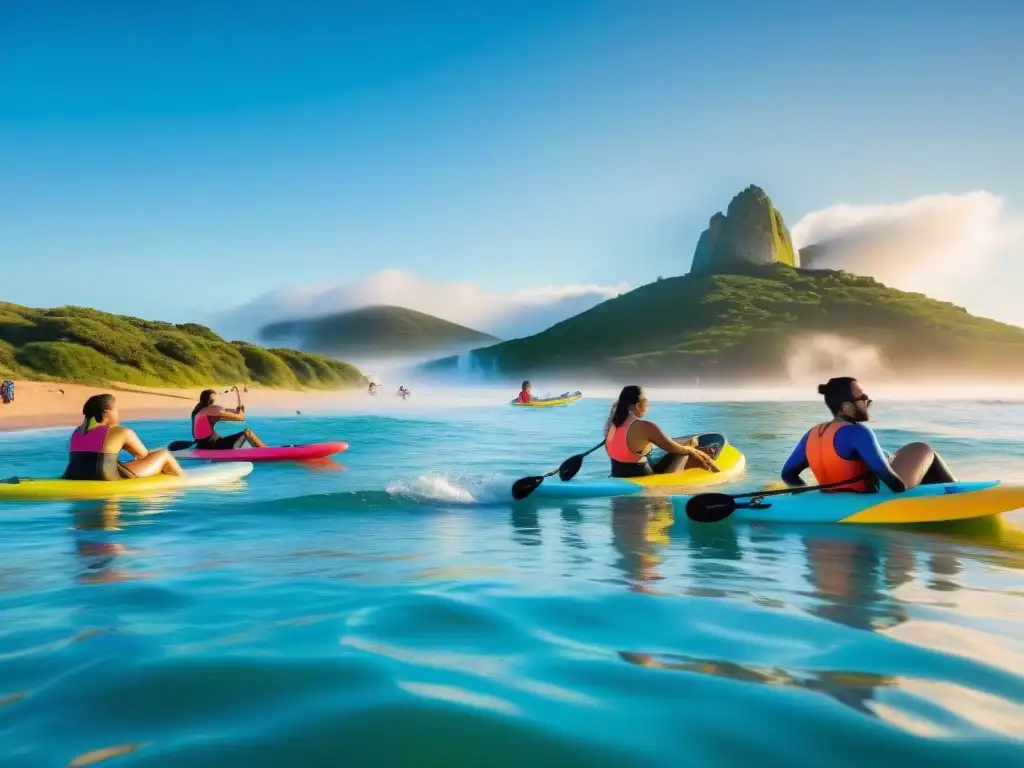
x=506, y=315
x=929, y=244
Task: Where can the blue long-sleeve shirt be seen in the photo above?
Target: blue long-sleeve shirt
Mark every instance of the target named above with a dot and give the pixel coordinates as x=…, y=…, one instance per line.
x=853, y=441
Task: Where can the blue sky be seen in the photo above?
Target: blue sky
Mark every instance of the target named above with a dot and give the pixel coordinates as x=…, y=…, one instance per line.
x=173, y=159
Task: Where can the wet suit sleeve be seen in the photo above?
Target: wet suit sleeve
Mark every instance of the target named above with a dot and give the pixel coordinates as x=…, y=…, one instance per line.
x=855, y=441
x=796, y=463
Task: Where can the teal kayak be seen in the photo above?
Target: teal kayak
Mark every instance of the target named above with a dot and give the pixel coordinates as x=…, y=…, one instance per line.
x=925, y=504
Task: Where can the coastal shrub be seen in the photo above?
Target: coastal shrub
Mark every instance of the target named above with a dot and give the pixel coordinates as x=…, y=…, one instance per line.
x=194, y=329
x=266, y=368
x=124, y=344
x=68, y=361
x=318, y=371
x=178, y=347
x=8, y=366
x=87, y=345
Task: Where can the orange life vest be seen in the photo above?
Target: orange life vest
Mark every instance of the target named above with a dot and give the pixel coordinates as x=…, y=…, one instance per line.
x=829, y=467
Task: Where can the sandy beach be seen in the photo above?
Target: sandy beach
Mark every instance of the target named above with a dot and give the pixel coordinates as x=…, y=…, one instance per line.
x=53, y=404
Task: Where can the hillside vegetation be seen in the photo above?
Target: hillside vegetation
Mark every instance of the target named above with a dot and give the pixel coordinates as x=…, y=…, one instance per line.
x=728, y=326
x=92, y=347
x=377, y=330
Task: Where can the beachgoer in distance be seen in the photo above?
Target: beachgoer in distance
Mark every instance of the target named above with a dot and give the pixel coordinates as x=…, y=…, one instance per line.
x=96, y=443
x=207, y=413
x=524, y=394
x=845, y=449
x=629, y=438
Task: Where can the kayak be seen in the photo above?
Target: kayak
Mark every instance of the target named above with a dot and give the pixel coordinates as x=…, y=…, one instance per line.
x=937, y=503
x=40, y=489
x=726, y=456
x=270, y=453
x=563, y=399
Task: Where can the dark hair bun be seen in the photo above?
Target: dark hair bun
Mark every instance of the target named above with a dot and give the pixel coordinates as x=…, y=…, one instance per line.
x=822, y=389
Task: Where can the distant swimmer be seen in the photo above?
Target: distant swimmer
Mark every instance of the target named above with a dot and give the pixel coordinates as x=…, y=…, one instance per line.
x=845, y=450
x=95, y=445
x=207, y=413
x=524, y=394
x=403, y=392
x=629, y=439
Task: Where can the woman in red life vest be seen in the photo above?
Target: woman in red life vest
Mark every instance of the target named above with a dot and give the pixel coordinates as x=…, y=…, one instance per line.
x=524, y=394
x=207, y=413
x=629, y=439
x=846, y=451
x=94, y=447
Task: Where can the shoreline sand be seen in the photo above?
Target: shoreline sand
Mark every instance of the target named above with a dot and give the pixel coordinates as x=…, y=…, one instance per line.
x=40, y=404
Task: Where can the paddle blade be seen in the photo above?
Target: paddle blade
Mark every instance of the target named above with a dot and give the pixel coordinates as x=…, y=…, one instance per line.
x=570, y=467
x=710, y=507
x=180, y=445
x=525, y=486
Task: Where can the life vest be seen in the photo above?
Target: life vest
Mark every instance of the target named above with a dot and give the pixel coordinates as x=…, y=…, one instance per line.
x=201, y=426
x=90, y=442
x=829, y=467
x=524, y=397
x=617, y=446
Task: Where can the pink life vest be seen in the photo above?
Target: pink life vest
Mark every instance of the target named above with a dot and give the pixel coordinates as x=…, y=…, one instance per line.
x=617, y=447
x=90, y=442
x=201, y=426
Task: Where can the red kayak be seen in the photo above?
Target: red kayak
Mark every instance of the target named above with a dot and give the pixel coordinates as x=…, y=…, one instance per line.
x=270, y=453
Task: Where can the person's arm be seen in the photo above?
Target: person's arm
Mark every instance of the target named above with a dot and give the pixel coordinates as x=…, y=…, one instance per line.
x=228, y=414
x=133, y=444
x=653, y=433
x=796, y=463
x=857, y=441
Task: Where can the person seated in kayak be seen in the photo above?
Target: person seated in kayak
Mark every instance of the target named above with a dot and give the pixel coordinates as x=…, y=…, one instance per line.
x=207, y=413
x=846, y=451
x=95, y=445
x=524, y=394
x=629, y=439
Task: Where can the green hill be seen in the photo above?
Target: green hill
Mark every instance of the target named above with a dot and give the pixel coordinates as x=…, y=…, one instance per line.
x=376, y=330
x=84, y=345
x=731, y=326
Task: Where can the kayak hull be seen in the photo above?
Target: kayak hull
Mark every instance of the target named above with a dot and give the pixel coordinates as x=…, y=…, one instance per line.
x=55, y=489
x=726, y=456
x=270, y=453
x=550, y=402
x=938, y=503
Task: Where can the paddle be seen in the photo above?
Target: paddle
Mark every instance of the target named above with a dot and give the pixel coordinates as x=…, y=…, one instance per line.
x=715, y=507
x=566, y=471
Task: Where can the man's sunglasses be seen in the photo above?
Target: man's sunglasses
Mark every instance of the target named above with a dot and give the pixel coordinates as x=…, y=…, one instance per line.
x=862, y=399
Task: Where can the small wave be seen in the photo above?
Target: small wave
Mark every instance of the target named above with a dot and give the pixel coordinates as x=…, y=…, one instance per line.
x=437, y=487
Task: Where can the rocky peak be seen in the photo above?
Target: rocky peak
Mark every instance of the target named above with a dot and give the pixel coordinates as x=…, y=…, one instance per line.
x=750, y=232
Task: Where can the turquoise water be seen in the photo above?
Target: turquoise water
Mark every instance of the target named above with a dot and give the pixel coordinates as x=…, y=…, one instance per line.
x=386, y=609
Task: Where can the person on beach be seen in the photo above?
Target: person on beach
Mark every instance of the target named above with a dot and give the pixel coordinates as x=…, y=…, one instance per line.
x=95, y=445
x=207, y=413
x=629, y=439
x=845, y=451
x=524, y=393
x=7, y=392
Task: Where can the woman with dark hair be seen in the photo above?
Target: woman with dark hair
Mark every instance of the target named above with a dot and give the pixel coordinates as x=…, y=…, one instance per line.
x=629, y=439
x=96, y=443
x=207, y=413
x=846, y=451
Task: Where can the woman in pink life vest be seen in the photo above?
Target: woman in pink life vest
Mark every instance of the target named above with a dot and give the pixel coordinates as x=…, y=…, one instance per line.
x=95, y=445
x=207, y=413
x=629, y=439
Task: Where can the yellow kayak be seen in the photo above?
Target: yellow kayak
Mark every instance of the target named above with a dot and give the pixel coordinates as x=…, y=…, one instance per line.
x=726, y=456
x=729, y=460
x=564, y=399
x=36, y=489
